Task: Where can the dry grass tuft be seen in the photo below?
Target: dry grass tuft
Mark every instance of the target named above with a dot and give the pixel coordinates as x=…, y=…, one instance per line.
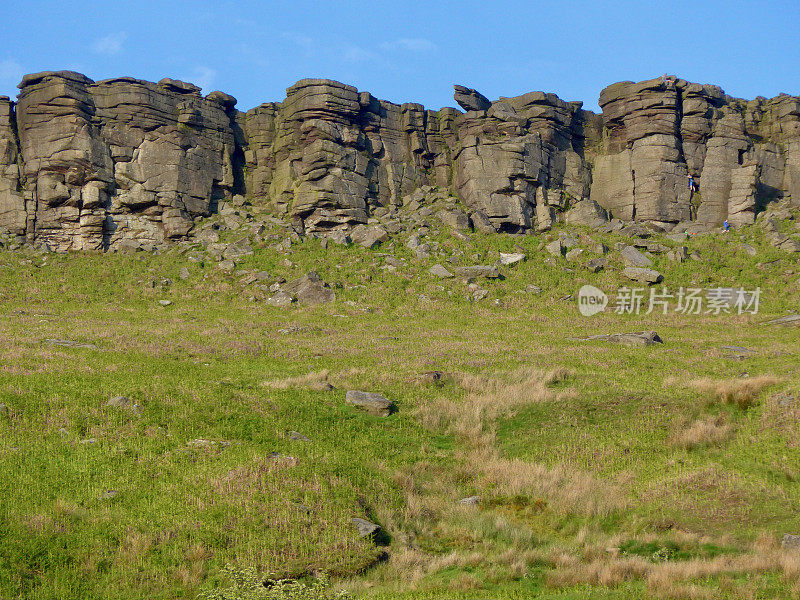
x=742, y=392
x=608, y=573
x=710, y=431
x=316, y=381
x=490, y=398
x=564, y=490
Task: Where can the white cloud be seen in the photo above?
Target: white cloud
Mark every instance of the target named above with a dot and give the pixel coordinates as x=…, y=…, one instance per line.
x=356, y=54
x=11, y=71
x=305, y=42
x=111, y=44
x=204, y=77
x=410, y=45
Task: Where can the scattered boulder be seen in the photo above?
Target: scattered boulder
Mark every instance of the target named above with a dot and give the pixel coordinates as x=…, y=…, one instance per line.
x=596, y=265
x=309, y=290
x=439, y=271
x=71, y=344
x=574, y=254
x=555, y=248
x=470, y=501
x=365, y=528
x=431, y=377
x=642, y=275
x=790, y=542
x=749, y=249
x=508, y=259
x=633, y=258
x=369, y=237
x=788, y=320
x=476, y=271
x=643, y=338
x=124, y=403
x=588, y=213
x=454, y=218
x=297, y=437
x=374, y=404
x=280, y=299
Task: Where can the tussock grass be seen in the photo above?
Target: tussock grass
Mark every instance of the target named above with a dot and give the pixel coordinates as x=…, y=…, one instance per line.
x=315, y=381
x=742, y=392
x=709, y=431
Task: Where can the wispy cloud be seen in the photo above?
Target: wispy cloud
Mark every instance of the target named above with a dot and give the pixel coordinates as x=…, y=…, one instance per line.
x=110, y=44
x=356, y=54
x=204, y=77
x=409, y=45
x=11, y=72
x=307, y=44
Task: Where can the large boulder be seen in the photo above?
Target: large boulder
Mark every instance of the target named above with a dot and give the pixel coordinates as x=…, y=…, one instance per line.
x=470, y=99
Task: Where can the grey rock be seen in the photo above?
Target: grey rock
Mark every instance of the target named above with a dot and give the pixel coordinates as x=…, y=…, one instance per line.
x=588, y=213
x=165, y=302
x=787, y=320
x=470, y=99
x=365, y=528
x=454, y=218
x=574, y=254
x=790, y=542
x=470, y=501
x=644, y=338
x=555, y=248
x=374, y=404
x=633, y=258
x=369, y=237
x=124, y=403
x=749, y=249
x=310, y=290
x=71, y=344
x=642, y=275
x=476, y=271
x=280, y=299
x=439, y=271
x=596, y=265
x=298, y=437
x=511, y=258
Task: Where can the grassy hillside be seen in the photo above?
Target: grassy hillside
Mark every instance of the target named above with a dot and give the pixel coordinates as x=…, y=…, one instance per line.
x=603, y=470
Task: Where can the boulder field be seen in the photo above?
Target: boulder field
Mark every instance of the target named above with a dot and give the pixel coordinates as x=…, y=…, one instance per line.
x=88, y=165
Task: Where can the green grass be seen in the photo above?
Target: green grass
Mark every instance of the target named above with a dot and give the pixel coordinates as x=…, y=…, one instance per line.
x=183, y=512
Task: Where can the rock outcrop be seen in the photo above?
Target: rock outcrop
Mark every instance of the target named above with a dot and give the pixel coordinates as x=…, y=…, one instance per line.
x=125, y=163
x=119, y=160
x=741, y=155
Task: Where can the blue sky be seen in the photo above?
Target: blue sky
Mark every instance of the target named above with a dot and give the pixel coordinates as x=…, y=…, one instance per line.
x=410, y=51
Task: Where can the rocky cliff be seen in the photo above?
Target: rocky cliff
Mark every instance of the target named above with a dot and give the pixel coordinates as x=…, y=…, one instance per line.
x=128, y=163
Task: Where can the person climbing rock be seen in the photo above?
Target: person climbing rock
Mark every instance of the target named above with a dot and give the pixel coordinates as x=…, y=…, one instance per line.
x=693, y=187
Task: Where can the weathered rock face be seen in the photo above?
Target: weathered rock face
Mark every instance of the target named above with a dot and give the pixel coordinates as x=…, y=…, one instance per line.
x=658, y=132
x=121, y=159
x=522, y=158
x=12, y=202
x=328, y=153
x=125, y=163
